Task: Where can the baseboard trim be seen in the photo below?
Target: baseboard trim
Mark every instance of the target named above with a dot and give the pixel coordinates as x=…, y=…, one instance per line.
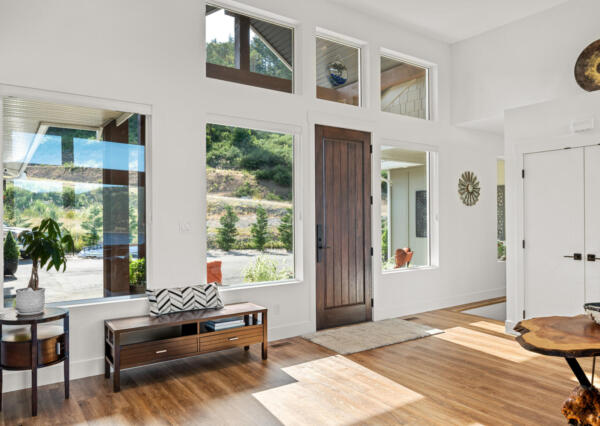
x=291, y=330
x=509, y=327
x=16, y=380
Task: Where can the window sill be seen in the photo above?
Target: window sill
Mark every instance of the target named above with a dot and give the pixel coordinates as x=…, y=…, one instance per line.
x=233, y=287
x=120, y=299
x=405, y=270
x=97, y=301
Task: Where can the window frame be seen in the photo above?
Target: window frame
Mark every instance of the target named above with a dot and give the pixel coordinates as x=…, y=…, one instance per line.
x=99, y=103
x=297, y=193
x=432, y=204
x=250, y=78
x=350, y=42
x=430, y=82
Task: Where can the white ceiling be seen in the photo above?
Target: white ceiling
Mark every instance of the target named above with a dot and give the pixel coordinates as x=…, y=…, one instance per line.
x=451, y=20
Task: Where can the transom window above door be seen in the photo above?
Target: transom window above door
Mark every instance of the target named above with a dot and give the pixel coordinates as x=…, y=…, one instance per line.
x=338, y=72
x=404, y=88
x=247, y=50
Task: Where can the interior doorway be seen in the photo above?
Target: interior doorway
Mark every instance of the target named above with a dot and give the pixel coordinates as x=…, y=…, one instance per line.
x=561, y=234
x=343, y=226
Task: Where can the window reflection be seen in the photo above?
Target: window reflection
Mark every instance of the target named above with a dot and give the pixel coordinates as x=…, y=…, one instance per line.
x=404, y=208
x=85, y=168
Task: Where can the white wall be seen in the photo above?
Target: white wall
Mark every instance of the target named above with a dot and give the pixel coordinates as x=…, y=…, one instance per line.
x=523, y=63
x=151, y=52
x=534, y=128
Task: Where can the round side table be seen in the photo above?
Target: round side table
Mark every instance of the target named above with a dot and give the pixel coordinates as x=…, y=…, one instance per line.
x=34, y=346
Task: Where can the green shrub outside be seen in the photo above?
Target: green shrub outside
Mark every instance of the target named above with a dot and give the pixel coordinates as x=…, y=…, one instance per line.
x=265, y=269
x=137, y=271
x=11, y=251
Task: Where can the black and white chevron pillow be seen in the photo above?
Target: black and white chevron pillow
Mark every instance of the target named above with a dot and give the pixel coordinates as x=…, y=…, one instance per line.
x=170, y=300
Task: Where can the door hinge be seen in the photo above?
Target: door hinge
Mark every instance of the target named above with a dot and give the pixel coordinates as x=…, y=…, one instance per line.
x=370, y=149
x=523, y=243
x=371, y=200
x=372, y=302
x=523, y=313
x=371, y=251
x=523, y=173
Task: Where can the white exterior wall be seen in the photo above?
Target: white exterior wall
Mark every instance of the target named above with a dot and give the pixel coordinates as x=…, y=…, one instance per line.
x=151, y=52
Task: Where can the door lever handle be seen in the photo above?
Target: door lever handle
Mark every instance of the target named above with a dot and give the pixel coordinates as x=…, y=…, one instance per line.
x=575, y=256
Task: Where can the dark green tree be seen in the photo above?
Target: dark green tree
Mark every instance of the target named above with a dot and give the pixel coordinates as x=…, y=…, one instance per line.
x=221, y=53
x=264, y=61
x=93, y=225
x=11, y=252
x=259, y=229
x=286, y=230
x=68, y=197
x=227, y=233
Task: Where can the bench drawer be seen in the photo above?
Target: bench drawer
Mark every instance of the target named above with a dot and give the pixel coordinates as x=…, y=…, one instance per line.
x=147, y=352
x=225, y=339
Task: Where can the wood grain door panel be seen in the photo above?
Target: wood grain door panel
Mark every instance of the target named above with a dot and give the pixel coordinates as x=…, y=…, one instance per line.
x=343, y=215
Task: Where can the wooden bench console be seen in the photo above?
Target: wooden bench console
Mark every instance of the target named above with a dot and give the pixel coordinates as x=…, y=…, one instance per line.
x=136, y=341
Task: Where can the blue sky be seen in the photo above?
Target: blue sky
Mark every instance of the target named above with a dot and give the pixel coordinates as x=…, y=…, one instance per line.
x=92, y=153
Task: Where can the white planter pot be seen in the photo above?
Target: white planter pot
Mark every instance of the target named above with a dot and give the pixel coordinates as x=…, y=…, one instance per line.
x=30, y=302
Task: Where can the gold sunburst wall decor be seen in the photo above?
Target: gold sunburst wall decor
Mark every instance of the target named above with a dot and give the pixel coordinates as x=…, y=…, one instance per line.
x=468, y=188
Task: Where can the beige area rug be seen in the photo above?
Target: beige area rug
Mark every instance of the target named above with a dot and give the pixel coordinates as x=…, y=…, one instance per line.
x=370, y=335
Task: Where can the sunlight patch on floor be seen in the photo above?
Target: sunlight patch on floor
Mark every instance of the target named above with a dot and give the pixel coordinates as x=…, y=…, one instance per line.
x=334, y=391
x=484, y=342
x=491, y=326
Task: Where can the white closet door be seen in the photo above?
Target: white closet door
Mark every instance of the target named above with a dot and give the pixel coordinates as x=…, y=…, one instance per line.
x=592, y=223
x=554, y=228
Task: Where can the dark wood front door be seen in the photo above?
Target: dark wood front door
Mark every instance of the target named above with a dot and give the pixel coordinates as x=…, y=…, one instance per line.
x=343, y=218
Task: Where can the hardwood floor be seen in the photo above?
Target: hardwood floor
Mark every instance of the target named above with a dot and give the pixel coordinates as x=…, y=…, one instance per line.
x=471, y=374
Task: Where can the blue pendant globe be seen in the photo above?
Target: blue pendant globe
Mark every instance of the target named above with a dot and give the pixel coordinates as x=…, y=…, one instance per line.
x=338, y=73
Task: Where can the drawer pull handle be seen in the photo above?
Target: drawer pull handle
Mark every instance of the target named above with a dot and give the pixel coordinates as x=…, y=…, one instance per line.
x=162, y=351
x=233, y=338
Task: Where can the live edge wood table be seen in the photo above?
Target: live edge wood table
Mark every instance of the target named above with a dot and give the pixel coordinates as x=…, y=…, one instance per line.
x=34, y=347
x=136, y=341
x=570, y=338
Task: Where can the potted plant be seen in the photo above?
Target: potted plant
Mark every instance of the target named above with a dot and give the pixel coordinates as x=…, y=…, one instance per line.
x=47, y=245
x=11, y=255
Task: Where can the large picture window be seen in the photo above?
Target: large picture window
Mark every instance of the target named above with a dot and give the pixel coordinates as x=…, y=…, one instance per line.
x=247, y=50
x=250, y=216
x=85, y=168
x=405, y=230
